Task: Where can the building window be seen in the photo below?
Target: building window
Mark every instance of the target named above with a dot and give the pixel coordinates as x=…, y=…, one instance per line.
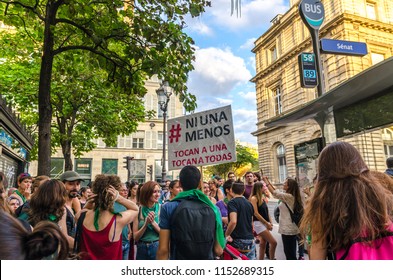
x=100, y=143
x=138, y=139
x=388, y=150
x=376, y=58
x=83, y=167
x=371, y=10
x=138, y=170
x=277, y=101
x=273, y=54
x=124, y=141
x=387, y=137
x=160, y=138
x=56, y=167
x=281, y=163
x=109, y=166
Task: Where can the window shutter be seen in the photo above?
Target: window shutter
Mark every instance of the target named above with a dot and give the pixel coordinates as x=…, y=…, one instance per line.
x=148, y=142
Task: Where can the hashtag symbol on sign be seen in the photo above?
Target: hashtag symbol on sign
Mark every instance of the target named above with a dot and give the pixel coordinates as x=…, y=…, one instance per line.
x=174, y=133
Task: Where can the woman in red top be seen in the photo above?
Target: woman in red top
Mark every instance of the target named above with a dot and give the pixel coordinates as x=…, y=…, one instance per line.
x=101, y=231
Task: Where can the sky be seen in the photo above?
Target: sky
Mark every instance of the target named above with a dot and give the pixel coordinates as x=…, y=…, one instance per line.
x=224, y=62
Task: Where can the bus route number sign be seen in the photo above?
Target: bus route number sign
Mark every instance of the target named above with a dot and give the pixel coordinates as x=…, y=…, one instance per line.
x=308, y=70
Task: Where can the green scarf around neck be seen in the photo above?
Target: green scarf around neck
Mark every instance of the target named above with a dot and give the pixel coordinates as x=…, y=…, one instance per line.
x=203, y=198
x=20, y=195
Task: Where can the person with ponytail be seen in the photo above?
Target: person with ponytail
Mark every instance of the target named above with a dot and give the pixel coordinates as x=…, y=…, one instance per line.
x=102, y=227
x=291, y=201
x=46, y=241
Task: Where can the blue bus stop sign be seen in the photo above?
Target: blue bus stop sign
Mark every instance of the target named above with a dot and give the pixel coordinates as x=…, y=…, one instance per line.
x=312, y=13
x=343, y=47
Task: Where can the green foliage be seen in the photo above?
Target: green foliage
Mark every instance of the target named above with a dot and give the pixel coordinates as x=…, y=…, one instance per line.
x=102, y=53
x=246, y=159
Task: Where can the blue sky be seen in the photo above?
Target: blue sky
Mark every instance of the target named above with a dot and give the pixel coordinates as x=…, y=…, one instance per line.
x=224, y=61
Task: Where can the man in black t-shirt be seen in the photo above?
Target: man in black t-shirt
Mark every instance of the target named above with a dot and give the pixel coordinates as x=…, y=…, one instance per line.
x=239, y=230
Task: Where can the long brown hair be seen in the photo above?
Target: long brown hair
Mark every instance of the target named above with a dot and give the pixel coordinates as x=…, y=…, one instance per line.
x=19, y=244
x=257, y=192
x=348, y=201
x=294, y=190
x=47, y=202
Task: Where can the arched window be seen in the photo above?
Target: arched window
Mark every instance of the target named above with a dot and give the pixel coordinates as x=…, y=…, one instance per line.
x=282, y=163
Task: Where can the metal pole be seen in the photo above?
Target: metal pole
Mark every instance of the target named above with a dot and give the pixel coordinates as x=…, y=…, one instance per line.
x=315, y=43
x=164, y=144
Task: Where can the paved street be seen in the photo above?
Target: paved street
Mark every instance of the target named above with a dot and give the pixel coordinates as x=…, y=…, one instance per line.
x=280, y=250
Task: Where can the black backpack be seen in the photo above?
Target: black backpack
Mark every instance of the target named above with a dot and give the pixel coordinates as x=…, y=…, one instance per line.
x=193, y=230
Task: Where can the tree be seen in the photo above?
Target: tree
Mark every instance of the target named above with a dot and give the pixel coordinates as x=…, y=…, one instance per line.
x=129, y=40
x=246, y=159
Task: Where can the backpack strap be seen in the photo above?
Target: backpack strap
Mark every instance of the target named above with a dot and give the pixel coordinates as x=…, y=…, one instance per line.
x=290, y=212
x=78, y=234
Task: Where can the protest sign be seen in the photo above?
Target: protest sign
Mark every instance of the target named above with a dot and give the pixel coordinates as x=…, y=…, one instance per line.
x=204, y=138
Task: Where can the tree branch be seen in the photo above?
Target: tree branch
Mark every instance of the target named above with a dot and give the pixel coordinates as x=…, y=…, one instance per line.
x=95, y=51
x=33, y=9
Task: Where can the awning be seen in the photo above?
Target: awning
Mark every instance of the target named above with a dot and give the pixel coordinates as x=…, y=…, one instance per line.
x=361, y=86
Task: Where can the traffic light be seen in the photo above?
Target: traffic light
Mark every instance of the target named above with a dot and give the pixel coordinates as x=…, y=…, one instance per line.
x=150, y=169
x=127, y=162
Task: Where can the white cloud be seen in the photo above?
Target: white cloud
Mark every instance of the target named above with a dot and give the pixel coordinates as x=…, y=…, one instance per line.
x=244, y=123
x=249, y=96
x=223, y=101
x=252, y=63
x=199, y=27
x=249, y=44
x=217, y=72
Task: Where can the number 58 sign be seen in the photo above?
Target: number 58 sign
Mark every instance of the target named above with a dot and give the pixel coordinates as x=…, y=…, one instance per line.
x=308, y=70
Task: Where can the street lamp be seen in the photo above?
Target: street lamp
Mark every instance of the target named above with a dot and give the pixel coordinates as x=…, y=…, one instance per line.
x=164, y=93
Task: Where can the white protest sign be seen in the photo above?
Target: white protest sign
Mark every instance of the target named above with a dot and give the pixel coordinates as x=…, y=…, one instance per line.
x=204, y=138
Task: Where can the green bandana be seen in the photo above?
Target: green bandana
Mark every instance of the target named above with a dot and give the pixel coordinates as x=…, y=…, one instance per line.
x=203, y=198
x=96, y=215
x=21, y=196
x=52, y=217
x=145, y=211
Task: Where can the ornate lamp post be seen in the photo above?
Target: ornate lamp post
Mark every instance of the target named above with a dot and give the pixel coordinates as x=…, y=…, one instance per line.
x=164, y=93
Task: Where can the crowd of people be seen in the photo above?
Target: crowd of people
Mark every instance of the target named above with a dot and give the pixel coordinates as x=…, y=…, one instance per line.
x=345, y=214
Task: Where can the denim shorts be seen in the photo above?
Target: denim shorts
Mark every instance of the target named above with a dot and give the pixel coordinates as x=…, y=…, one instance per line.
x=246, y=247
x=126, y=249
x=146, y=250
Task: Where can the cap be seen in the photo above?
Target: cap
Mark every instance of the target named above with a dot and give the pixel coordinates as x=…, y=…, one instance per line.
x=70, y=176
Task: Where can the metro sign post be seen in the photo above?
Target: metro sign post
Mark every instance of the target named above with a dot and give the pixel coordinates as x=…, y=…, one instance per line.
x=308, y=72
x=312, y=13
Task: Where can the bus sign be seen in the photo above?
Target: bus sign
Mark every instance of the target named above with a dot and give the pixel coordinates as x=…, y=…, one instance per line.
x=308, y=70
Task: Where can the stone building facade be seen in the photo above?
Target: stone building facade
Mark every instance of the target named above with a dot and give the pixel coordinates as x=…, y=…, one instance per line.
x=277, y=79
